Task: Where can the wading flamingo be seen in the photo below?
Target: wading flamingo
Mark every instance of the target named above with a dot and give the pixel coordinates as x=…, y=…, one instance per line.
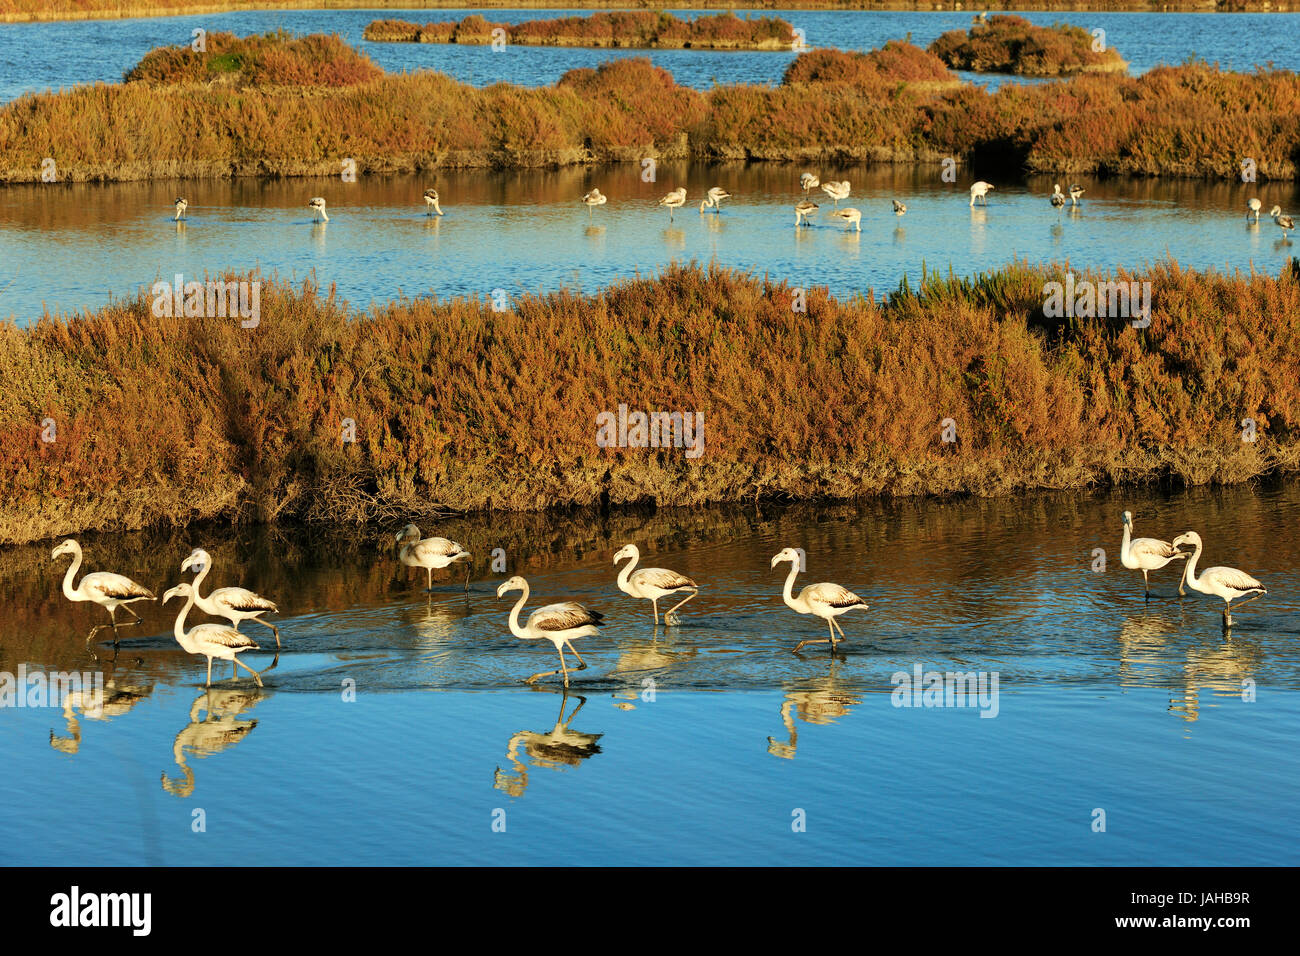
x=827, y=601
x=210, y=640
x=674, y=200
x=1057, y=198
x=318, y=204
x=430, y=200
x=558, y=623
x=651, y=584
x=104, y=588
x=837, y=191
x=234, y=604
x=849, y=216
x=1285, y=223
x=809, y=181
x=429, y=553
x=594, y=198
x=803, y=210
x=899, y=208
x=181, y=206
x=1145, y=554
x=717, y=194
x=707, y=203
x=1075, y=192
x=981, y=190
x=1227, y=583
x=1253, y=206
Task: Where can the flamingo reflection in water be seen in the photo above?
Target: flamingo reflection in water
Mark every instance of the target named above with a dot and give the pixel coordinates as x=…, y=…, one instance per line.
x=557, y=748
x=116, y=699
x=819, y=702
x=218, y=731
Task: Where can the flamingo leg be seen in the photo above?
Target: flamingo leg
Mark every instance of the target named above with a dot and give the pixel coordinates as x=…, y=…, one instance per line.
x=840, y=629
x=209, y=683
x=256, y=675
x=655, y=603
x=467, y=573
x=138, y=619
x=275, y=629
x=430, y=587
x=582, y=665
x=673, y=610
x=1146, y=584
x=822, y=640
x=540, y=674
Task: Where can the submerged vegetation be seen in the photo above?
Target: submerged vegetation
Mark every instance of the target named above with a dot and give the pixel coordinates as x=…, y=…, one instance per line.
x=1011, y=44
x=898, y=104
x=457, y=406
x=723, y=31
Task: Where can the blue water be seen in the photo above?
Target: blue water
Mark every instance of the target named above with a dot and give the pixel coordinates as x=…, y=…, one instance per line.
x=36, y=57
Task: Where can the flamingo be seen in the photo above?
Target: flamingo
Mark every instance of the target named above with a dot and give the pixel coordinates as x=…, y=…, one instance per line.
x=850, y=216
x=837, y=191
x=1057, y=198
x=104, y=588
x=827, y=601
x=1285, y=223
x=803, y=210
x=1145, y=554
x=651, y=584
x=1075, y=192
x=210, y=640
x=234, y=604
x=899, y=208
x=430, y=200
x=594, y=198
x=318, y=204
x=429, y=553
x=181, y=206
x=980, y=190
x=1227, y=583
x=717, y=194
x=560, y=624
x=707, y=203
x=1253, y=206
x=674, y=200
x=809, y=181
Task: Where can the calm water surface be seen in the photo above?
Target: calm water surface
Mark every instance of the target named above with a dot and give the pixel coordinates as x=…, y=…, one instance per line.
x=40, y=56
x=1106, y=701
x=68, y=247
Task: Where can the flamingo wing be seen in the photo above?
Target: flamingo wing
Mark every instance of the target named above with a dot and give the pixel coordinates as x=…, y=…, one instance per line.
x=1153, y=547
x=1232, y=578
x=114, y=586
x=222, y=636
x=431, y=548
x=663, y=579
x=832, y=595
x=241, y=599
x=563, y=617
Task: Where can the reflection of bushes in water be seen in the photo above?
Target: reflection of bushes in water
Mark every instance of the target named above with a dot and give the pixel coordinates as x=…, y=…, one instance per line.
x=897, y=104
x=169, y=421
x=1011, y=44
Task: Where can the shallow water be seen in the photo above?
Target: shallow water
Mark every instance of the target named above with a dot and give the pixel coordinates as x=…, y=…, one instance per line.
x=1105, y=700
x=36, y=57
x=72, y=246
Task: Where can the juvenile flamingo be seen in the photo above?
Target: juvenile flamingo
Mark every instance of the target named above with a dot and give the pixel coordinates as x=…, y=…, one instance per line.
x=181, y=206
x=1075, y=192
x=827, y=601
x=1253, y=206
x=717, y=194
x=1285, y=223
x=430, y=200
x=651, y=584
x=561, y=624
x=1057, y=198
x=1227, y=583
x=318, y=204
x=210, y=640
x=594, y=198
x=809, y=181
x=1145, y=554
x=836, y=190
x=803, y=210
x=108, y=590
x=980, y=190
x=674, y=200
x=234, y=604
x=430, y=553
x=849, y=216
x=899, y=208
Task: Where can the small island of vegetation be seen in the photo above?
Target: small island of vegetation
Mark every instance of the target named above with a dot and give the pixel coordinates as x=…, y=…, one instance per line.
x=627, y=29
x=1011, y=44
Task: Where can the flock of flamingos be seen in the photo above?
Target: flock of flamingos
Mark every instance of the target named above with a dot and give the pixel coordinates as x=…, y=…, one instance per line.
x=805, y=208
x=563, y=623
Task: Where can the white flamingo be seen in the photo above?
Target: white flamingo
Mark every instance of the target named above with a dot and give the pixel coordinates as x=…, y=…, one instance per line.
x=827, y=601
x=899, y=208
x=1227, y=583
x=318, y=204
x=674, y=200
x=849, y=216
x=181, y=206
x=836, y=190
x=430, y=200
x=980, y=190
x=561, y=624
x=1057, y=197
x=717, y=194
x=594, y=198
x=803, y=210
x=707, y=203
x=809, y=181
x=211, y=640
x=652, y=584
x=430, y=553
x=1253, y=206
x=1285, y=223
x=108, y=590
x=1145, y=554
x=1075, y=192
x=234, y=604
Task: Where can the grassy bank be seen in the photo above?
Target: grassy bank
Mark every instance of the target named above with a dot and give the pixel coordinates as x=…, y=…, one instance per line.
x=29, y=10
x=899, y=104
x=626, y=29
x=165, y=421
x=1010, y=44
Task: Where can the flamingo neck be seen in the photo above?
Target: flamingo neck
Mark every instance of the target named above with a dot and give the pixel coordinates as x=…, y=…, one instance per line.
x=515, y=628
x=1125, y=546
x=68, y=591
x=179, y=629
x=788, y=593
x=1189, y=570
x=207, y=566
x=626, y=573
